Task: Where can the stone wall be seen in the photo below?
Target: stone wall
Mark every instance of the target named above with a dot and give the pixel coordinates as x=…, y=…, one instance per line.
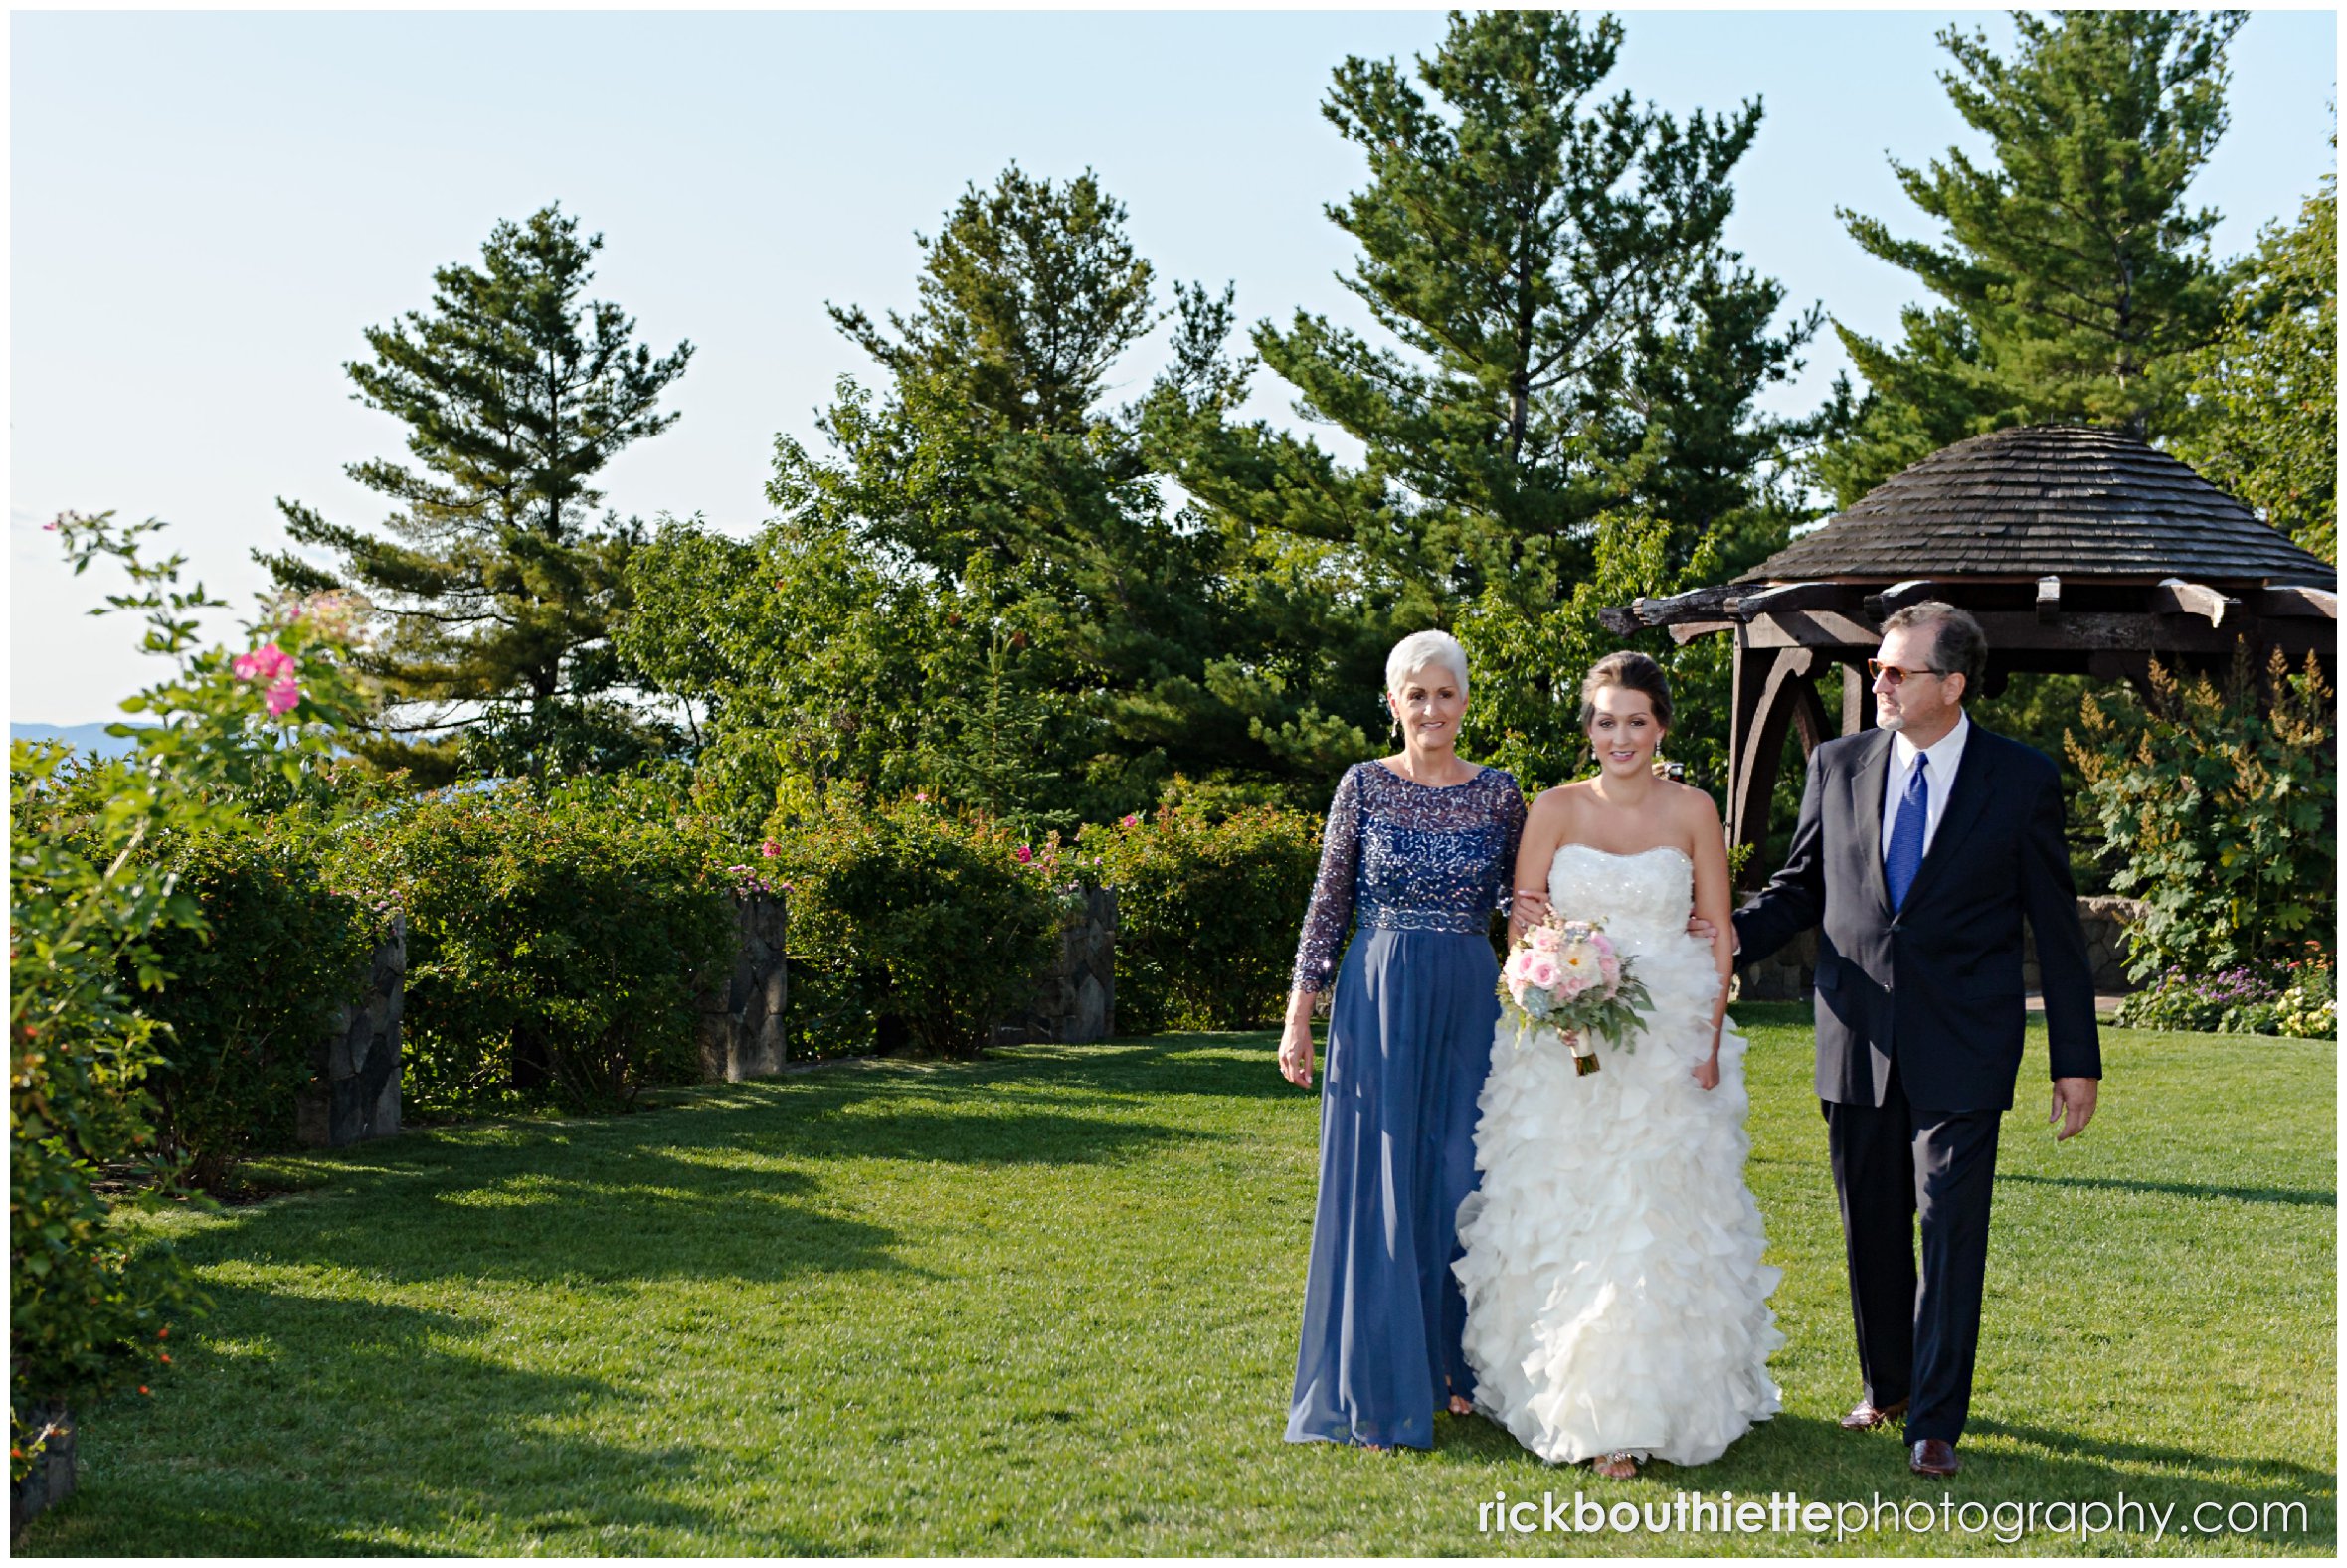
x=1077, y=1000
x=1785, y=975
x=355, y=1092
x=741, y=1022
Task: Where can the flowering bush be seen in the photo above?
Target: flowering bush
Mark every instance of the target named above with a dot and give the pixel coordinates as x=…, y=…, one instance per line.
x=911, y=922
x=2308, y=1008
x=2220, y=818
x=2300, y=998
x=1209, y=906
x=89, y=904
x=556, y=939
x=2235, y=1002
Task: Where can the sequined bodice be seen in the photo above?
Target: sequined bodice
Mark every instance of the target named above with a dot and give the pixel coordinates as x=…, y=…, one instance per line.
x=1406, y=856
x=1643, y=897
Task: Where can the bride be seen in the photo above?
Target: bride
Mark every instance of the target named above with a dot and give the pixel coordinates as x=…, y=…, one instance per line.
x=1618, y=1307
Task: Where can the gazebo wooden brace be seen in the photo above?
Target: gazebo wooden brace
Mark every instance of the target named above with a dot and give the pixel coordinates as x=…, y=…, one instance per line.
x=1775, y=691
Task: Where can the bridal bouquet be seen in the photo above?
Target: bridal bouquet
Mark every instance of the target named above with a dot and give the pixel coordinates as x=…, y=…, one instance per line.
x=1566, y=977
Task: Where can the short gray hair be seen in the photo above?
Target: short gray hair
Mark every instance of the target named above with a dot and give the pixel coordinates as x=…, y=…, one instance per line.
x=1419, y=651
x=1958, y=646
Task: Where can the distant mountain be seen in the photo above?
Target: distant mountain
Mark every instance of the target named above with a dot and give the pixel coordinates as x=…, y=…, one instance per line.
x=91, y=738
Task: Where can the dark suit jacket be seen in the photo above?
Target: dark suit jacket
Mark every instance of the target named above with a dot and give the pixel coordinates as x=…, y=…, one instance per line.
x=1937, y=984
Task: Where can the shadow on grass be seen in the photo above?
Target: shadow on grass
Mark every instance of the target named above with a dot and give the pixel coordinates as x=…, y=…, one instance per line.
x=2182, y=1189
x=1242, y=1066
x=714, y=1189
x=363, y=1409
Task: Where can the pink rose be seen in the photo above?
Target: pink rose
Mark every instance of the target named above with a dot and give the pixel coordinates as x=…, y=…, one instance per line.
x=1568, y=985
x=1544, y=939
x=770, y=850
x=1022, y=855
x=1541, y=970
x=1129, y=822
x=274, y=670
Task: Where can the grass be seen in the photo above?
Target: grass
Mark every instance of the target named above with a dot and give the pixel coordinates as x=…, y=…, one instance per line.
x=1046, y=1303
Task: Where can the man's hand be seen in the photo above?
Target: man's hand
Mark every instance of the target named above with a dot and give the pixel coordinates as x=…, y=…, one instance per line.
x=1703, y=930
x=2074, y=1106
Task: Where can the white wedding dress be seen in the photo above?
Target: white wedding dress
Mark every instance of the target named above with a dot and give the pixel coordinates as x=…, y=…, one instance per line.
x=1616, y=1300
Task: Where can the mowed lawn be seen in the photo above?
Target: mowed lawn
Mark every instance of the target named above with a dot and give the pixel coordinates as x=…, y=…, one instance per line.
x=1048, y=1304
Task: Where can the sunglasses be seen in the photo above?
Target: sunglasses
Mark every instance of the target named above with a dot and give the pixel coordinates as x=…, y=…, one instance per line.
x=1878, y=670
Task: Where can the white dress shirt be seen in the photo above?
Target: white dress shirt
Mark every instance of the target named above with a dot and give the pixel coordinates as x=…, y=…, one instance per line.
x=1944, y=752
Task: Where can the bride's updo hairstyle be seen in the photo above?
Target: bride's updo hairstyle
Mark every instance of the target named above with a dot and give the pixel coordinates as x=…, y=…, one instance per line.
x=1637, y=671
x=1425, y=650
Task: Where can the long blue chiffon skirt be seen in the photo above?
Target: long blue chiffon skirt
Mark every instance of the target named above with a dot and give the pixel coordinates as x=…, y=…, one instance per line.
x=1409, y=1044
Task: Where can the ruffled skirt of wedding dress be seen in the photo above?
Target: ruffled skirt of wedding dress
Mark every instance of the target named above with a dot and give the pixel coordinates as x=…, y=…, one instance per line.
x=1616, y=1300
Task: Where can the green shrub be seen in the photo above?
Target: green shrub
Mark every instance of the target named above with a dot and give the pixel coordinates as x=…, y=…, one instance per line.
x=88, y=903
x=246, y=1003
x=908, y=920
x=1209, y=906
x=2218, y=817
x=556, y=940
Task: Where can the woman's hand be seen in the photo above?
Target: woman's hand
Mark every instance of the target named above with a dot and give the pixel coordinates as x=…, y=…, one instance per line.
x=1706, y=1071
x=1529, y=909
x=1296, y=1053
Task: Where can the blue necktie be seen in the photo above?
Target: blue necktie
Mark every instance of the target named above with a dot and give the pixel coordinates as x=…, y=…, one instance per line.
x=1906, y=853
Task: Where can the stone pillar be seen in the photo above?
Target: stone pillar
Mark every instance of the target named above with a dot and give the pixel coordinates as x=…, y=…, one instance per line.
x=354, y=1093
x=50, y=1480
x=741, y=1021
x=1076, y=1002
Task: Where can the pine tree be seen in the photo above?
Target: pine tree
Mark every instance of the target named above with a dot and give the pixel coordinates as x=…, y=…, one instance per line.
x=2077, y=281
x=496, y=584
x=1570, y=338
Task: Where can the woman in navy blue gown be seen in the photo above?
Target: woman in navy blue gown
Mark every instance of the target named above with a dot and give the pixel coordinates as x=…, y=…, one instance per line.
x=1416, y=858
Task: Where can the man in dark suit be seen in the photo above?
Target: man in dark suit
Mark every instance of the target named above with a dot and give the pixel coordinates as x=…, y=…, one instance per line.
x=1922, y=847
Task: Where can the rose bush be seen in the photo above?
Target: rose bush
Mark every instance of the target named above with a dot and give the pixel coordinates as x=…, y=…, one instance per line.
x=557, y=936
x=911, y=922
x=1210, y=902
x=89, y=907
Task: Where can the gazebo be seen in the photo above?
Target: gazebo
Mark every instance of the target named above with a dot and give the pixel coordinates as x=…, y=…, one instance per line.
x=2081, y=551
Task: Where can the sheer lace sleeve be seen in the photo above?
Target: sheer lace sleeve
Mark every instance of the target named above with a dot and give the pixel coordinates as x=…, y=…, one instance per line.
x=1330, y=917
x=1510, y=812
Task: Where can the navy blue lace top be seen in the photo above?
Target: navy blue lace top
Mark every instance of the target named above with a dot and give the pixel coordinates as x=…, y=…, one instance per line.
x=1409, y=857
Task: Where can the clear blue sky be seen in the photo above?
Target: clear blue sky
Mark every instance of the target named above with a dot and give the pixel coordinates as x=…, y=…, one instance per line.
x=207, y=208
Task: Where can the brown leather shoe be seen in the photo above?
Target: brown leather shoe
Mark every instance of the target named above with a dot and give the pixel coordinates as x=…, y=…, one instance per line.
x=1933, y=1457
x=1867, y=1414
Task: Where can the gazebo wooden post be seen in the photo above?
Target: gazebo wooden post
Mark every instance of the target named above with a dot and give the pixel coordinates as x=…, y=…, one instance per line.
x=1775, y=690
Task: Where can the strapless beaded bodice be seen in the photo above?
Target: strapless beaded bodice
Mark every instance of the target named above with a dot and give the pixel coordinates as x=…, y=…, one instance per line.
x=1642, y=898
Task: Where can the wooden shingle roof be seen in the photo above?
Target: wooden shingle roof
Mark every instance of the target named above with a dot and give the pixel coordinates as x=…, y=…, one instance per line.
x=2067, y=500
